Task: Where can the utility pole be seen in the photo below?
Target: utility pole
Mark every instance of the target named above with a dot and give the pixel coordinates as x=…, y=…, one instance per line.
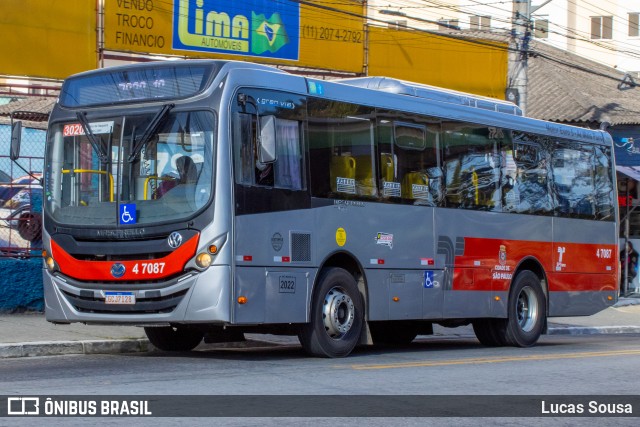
x=519, y=54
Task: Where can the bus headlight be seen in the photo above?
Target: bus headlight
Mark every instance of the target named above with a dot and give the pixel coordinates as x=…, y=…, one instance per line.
x=203, y=260
x=207, y=254
x=51, y=264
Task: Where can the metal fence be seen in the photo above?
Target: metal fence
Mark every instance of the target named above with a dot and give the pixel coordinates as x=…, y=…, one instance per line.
x=21, y=192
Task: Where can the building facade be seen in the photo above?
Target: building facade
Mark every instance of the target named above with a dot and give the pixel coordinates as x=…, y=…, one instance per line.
x=606, y=31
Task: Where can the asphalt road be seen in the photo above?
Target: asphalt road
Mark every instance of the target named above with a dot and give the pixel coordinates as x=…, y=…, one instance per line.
x=597, y=365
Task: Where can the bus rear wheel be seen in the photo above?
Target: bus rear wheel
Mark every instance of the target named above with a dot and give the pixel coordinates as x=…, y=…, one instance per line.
x=174, y=338
x=527, y=311
x=337, y=316
x=490, y=332
x=526, y=316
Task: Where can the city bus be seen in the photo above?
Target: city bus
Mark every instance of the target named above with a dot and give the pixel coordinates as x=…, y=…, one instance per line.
x=205, y=199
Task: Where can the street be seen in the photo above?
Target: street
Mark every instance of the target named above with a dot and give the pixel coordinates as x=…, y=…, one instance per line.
x=597, y=365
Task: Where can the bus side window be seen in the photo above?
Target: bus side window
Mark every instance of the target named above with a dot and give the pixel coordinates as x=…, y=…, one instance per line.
x=408, y=156
x=416, y=148
x=341, y=142
x=524, y=182
x=605, y=197
x=573, y=182
x=472, y=166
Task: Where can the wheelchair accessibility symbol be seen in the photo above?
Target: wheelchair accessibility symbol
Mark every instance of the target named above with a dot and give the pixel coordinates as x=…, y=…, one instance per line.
x=128, y=213
x=428, y=280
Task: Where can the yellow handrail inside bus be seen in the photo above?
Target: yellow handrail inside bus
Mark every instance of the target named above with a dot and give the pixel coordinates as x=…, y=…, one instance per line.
x=474, y=180
x=95, y=171
x=156, y=178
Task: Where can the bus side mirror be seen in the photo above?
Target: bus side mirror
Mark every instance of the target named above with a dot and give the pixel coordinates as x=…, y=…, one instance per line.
x=267, y=139
x=16, y=138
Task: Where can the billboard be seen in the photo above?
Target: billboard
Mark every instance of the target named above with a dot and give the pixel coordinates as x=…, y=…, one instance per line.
x=47, y=39
x=256, y=28
x=56, y=39
x=320, y=34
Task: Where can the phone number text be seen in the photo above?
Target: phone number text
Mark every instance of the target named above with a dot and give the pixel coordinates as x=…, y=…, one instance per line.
x=331, y=34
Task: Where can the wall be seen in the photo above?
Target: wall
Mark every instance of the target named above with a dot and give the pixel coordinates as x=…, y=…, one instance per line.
x=21, y=287
x=439, y=61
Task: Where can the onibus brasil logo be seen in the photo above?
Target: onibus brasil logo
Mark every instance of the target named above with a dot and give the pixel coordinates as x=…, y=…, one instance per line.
x=251, y=27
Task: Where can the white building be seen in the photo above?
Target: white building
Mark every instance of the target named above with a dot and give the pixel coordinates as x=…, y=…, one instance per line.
x=606, y=31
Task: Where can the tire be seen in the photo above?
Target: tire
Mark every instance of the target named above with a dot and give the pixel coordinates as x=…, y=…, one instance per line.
x=30, y=226
x=392, y=333
x=337, y=316
x=490, y=332
x=174, y=338
x=527, y=311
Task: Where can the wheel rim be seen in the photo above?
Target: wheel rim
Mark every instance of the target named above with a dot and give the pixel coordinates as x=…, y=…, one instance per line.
x=527, y=309
x=338, y=313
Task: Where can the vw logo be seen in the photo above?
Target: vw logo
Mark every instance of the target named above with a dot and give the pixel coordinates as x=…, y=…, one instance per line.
x=117, y=270
x=175, y=239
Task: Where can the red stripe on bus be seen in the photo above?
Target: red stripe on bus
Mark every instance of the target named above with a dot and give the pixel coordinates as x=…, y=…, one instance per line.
x=489, y=264
x=143, y=269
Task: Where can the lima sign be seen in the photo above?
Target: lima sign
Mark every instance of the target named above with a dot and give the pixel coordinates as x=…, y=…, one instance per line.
x=259, y=28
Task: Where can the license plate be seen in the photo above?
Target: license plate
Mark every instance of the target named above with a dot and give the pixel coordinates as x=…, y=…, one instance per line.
x=119, y=298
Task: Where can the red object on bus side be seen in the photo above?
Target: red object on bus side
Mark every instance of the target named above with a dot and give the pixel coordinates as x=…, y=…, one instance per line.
x=624, y=201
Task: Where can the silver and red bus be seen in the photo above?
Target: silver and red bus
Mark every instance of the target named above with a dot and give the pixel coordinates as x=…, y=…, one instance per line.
x=206, y=199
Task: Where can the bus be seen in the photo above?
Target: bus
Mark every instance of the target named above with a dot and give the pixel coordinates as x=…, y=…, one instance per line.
x=205, y=199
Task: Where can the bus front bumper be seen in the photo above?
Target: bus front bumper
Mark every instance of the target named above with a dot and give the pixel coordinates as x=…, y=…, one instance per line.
x=196, y=297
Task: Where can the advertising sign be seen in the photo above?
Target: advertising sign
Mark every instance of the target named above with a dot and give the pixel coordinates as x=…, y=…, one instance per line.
x=320, y=34
x=252, y=27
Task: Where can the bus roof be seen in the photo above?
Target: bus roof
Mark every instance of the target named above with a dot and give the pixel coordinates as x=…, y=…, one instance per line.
x=433, y=93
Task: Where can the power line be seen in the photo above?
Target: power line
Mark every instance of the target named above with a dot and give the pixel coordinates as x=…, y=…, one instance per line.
x=464, y=39
x=620, y=47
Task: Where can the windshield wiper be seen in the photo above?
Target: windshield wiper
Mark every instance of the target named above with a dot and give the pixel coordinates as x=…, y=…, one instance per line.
x=149, y=131
x=95, y=142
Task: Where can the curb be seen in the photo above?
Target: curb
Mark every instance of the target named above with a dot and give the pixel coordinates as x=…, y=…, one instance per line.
x=58, y=348
x=593, y=330
x=627, y=302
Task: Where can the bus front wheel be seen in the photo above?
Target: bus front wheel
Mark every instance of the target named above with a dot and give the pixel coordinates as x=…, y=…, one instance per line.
x=337, y=316
x=174, y=338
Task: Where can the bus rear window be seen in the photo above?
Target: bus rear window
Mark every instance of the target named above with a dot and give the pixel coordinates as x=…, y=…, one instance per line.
x=135, y=84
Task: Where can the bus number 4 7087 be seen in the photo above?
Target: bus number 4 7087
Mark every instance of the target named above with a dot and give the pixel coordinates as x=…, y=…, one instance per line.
x=148, y=268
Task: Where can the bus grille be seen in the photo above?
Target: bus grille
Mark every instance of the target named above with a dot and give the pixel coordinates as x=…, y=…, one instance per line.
x=165, y=304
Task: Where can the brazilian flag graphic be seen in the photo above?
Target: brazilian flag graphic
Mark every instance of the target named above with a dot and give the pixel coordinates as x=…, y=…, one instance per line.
x=267, y=34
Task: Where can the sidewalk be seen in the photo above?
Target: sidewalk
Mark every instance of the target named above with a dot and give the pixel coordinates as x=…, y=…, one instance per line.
x=29, y=334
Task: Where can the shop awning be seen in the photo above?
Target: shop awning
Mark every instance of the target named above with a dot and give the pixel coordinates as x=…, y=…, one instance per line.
x=632, y=172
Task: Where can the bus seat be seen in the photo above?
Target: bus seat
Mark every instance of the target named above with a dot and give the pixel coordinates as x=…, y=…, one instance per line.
x=365, y=183
x=414, y=178
x=341, y=167
x=387, y=170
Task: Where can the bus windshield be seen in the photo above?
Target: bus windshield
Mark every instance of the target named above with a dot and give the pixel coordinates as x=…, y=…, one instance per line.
x=130, y=170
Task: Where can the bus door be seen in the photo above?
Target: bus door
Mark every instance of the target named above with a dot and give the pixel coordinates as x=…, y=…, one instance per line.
x=410, y=181
x=273, y=228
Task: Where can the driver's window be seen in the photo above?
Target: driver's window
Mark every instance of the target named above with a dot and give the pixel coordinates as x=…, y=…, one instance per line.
x=286, y=171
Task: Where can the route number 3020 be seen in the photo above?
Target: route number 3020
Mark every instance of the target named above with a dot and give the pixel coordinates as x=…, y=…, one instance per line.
x=148, y=268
